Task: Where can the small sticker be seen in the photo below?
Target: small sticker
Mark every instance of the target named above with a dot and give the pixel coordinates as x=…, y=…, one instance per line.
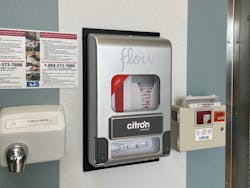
x=32, y=84
x=203, y=134
x=31, y=123
x=219, y=116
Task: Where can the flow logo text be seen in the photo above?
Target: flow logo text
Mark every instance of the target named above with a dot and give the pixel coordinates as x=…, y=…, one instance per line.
x=129, y=57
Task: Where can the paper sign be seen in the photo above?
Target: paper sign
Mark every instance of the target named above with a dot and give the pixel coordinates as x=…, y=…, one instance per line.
x=34, y=59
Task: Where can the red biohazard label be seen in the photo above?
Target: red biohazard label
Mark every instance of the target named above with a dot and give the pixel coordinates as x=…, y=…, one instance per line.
x=219, y=116
x=117, y=82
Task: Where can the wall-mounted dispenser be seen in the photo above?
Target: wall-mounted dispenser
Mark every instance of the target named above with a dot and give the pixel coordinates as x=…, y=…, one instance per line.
x=128, y=97
x=31, y=134
x=199, y=123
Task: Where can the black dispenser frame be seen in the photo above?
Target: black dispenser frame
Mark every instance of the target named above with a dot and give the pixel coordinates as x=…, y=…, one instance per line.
x=85, y=32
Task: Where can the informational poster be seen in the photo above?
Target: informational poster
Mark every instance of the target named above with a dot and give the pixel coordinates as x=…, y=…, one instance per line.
x=36, y=59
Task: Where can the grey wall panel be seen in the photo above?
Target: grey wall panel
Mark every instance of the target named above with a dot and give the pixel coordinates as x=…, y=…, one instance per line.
x=35, y=15
x=206, y=169
x=206, y=75
x=29, y=14
x=42, y=175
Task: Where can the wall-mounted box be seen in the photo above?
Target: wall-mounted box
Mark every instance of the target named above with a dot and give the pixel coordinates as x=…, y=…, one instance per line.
x=36, y=130
x=129, y=98
x=198, y=125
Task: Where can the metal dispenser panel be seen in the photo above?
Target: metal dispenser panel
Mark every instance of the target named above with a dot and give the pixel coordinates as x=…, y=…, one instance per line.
x=128, y=98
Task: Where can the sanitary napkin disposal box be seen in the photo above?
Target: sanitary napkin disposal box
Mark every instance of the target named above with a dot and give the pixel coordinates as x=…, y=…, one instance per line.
x=199, y=123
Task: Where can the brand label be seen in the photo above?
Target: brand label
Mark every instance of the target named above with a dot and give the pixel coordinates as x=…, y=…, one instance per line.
x=145, y=125
x=129, y=57
x=135, y=125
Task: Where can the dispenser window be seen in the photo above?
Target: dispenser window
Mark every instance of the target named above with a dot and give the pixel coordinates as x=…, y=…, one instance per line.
x=135, y=92
x=203, y=117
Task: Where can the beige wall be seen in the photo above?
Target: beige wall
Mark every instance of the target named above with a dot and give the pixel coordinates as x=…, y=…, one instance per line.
x=165, y=16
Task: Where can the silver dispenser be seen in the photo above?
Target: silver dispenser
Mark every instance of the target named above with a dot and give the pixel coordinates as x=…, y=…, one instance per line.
x=129, y=98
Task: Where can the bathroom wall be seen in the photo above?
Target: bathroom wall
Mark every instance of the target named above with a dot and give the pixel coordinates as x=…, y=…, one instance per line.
x=165, y=16
x=197, y=30
x=206, y=75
